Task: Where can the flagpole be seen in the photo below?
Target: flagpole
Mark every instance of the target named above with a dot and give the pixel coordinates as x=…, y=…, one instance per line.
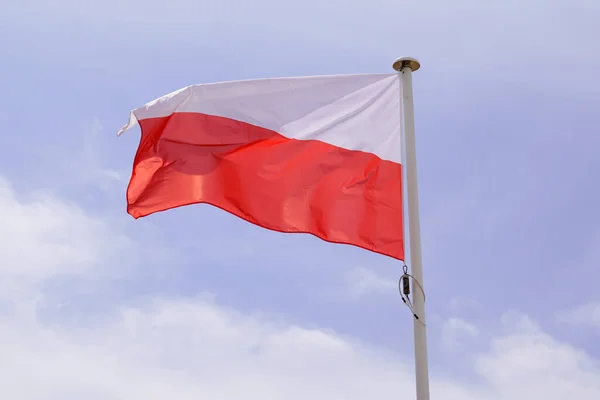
x=405, y=67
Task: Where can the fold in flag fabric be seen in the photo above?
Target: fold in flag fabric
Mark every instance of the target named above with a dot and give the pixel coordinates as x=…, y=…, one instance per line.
x=318, y=155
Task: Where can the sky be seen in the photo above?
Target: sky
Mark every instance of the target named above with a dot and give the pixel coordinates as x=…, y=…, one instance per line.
x=194, y=303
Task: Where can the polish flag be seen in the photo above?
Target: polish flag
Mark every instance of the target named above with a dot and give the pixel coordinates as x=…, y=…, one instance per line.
x=318, y=155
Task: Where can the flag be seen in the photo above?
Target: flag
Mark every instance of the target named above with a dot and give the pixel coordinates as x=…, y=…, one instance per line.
x=318, y=155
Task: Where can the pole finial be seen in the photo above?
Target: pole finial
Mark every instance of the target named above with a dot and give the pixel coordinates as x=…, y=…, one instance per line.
x=409, y=62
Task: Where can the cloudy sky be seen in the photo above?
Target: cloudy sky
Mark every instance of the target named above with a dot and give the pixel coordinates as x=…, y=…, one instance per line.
x=196, y=304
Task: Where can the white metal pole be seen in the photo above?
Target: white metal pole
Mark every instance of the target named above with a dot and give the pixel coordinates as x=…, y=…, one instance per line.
x=405, y=66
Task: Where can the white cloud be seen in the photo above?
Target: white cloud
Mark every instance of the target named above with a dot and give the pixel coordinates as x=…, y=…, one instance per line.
x=82, y=158
x=89, y=166
x=456, y=331
x=190, y=348
x=584, y=315
x=530, y=364
x=462, y=304
x=42, y=237
x=361, y=281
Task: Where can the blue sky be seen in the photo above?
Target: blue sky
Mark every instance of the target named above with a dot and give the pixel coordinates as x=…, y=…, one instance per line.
x=194, y=303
